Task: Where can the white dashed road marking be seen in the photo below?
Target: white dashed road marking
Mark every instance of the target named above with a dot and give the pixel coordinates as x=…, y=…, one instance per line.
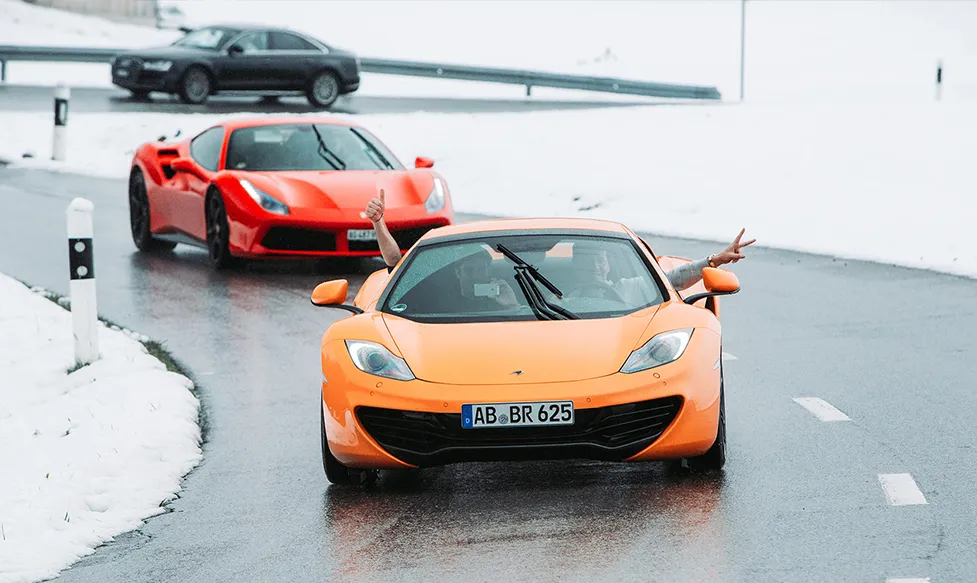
x=901, y=489
x=821, y=409
x=728, y=356
x=910, y=580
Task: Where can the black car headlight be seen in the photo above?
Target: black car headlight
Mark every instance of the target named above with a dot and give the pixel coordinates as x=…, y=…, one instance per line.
x=160, y=66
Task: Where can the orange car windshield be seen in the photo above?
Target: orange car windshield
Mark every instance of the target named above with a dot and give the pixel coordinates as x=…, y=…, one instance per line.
x=471, y=281
x=307, y=147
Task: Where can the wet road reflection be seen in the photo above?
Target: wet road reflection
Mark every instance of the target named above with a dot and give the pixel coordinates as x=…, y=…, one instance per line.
x=535, y=521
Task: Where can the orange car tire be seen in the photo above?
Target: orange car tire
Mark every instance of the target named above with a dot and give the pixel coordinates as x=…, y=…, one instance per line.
x=715, y=458
x=335, y=471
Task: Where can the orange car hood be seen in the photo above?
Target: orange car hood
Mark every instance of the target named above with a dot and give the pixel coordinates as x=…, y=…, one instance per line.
x=545, y=351
x=350, y=189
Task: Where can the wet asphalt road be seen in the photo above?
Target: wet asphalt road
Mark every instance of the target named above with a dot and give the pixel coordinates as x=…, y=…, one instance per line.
x=800, y=499
x=92, y=99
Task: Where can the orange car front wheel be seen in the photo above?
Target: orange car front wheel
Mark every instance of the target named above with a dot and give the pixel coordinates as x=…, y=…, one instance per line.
x=715, y=458
x=336, y=472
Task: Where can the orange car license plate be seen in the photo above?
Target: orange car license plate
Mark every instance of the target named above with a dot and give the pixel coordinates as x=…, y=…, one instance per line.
x=494, y=415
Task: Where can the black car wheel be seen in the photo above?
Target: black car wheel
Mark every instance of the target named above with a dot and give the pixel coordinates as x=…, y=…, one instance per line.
x=139, y=215
x=715, y=458
x=195, y=86
x=218, y=235
x=323, y=89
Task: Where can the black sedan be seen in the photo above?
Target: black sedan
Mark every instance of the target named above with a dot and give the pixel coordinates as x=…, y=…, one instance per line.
x=236, y=58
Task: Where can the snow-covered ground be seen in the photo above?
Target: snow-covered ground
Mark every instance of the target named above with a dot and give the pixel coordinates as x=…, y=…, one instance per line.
x=892, y=183
x=813, y=51
x=85, y=456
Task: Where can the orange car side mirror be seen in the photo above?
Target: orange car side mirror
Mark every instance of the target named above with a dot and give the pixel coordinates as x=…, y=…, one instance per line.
x=333, y=294
x=422, y=162
x=717, y=282
x=720, y=280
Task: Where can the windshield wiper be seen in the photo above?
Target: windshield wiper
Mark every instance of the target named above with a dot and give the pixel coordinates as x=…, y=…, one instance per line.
x=323, y=148
x=532, y=293
x=373, y=149
x=527, y=290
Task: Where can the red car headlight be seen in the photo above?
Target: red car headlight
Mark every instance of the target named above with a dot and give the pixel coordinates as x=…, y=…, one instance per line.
x=264, y=200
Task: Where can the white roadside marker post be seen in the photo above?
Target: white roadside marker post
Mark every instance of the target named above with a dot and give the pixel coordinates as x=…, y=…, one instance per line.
x=82, y=265
x=62, y=95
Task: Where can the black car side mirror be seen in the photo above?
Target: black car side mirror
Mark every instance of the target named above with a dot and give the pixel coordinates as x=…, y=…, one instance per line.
x=235, y=50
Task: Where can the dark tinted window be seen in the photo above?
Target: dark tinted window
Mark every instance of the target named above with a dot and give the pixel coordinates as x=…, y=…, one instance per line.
x=255, y=41
x=283, y=41
x=205, y=149
x=471, y=281
x=284, y=147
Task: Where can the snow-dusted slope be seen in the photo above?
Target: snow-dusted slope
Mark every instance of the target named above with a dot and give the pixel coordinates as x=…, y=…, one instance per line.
x=86, y=456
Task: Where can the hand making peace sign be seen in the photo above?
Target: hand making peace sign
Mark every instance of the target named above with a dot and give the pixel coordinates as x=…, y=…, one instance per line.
x=732, y=253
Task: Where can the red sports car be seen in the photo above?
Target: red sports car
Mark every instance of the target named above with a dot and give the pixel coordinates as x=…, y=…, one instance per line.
x=280, y=187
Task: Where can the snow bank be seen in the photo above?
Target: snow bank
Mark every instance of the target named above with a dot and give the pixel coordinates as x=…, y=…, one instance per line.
x=888, y=183
x=87, y=455
x=858, y=50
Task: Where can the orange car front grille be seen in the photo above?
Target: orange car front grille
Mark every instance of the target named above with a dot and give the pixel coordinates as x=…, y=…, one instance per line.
x=607, y=433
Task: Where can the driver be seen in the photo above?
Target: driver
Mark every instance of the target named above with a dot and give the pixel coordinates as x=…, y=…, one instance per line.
x=591, y=264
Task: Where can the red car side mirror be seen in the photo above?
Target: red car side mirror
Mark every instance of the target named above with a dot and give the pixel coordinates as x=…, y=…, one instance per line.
x=422, y=162
x=184, y=165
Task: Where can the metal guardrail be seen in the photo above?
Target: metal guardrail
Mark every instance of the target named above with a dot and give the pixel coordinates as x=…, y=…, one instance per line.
x=527, y=78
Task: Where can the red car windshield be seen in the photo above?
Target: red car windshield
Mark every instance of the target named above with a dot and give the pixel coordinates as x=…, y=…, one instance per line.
x=307, y=147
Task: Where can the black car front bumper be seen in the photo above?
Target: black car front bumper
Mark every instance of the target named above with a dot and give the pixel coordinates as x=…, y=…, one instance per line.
x=129, y=73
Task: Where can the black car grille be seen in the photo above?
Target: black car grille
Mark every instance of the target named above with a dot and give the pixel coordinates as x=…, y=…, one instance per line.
x=405, y=239
x=297, y=239
x=606, y=433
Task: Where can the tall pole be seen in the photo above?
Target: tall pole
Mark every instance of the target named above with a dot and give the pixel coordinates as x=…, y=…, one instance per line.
x=742, y=47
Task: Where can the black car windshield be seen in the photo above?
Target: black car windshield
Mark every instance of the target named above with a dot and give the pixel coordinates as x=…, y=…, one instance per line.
x=297, y=147
x=206, y=38
x=471, y=281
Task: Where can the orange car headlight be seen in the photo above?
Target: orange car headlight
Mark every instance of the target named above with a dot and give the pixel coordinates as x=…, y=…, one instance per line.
x=375, y=359
x=662, y=349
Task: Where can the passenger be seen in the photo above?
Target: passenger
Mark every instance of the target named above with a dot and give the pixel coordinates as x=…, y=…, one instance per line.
x=478, y=287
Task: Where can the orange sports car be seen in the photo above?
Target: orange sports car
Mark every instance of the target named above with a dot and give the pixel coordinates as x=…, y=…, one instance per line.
x=292, y=186
x=519, y=339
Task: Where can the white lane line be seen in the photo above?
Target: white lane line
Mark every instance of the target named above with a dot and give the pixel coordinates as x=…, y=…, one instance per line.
x=821, y=409
x=910, y=580
x=728, y=356
x=901, y=489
